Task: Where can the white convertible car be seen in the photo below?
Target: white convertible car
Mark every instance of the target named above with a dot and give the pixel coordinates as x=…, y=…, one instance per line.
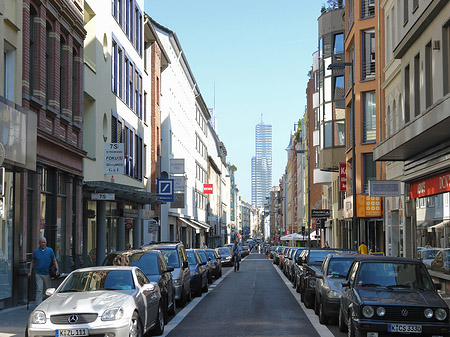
x=111, y=301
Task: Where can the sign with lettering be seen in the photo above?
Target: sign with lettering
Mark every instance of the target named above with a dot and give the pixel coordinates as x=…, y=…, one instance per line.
x=207, y=188
x=103, y=196
x=320, y=213
x=385, y=188
x=177, y=165
x=114, y=158
x=434, y=185
x=342, y=177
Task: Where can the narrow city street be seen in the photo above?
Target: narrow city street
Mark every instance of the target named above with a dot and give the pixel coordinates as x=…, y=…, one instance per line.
x=255, y=301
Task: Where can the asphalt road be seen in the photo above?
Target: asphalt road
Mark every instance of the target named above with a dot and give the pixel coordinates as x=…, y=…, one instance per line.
x=255, y=301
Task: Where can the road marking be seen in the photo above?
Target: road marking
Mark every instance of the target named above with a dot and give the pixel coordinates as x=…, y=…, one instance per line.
x=188, y=308
x=321, y=329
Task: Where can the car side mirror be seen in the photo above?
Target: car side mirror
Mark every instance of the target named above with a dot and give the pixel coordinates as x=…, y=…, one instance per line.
x=437, y=286
x=169, y=270
x=50, y=291
x=148, y=287
x=345, y=283
x=185, y=264
x=319, y=275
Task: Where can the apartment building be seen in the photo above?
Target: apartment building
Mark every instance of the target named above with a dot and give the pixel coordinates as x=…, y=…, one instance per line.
x=184, y=134
x=363, y=219
x=416, y=139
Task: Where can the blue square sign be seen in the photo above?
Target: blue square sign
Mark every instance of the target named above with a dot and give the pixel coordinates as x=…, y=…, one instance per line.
x=165, y=190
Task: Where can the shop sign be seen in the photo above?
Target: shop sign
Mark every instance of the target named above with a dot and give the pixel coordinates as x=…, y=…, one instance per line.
x=207, y=188
x=103, y=196
x=342, y=177
x=114, y=158
x=320, y=213
x=385, y=188
x=430, y=186
x=177, y=165
x=366, y=206
x=179, y=183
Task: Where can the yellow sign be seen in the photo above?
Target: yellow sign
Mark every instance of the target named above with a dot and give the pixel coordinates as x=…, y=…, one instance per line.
x=368, y=206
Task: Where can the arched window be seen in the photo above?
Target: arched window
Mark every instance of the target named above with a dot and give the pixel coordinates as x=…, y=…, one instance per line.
x=394, y=117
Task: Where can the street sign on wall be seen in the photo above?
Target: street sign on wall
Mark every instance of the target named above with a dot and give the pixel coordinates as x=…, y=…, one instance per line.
x=320, y=213
x=165, y=190
x=207, y=188
x=385, y=188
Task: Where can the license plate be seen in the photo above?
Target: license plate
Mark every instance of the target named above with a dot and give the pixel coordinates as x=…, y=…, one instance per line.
x=72, y=332
x=405, y=328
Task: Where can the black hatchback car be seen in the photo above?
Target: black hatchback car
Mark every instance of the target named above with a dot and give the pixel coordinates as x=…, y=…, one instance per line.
x=152, y=263
x=386, y=295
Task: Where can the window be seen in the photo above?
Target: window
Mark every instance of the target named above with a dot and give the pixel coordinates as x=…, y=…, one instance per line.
x=369, y=117
x=114, y=66
x=339, y=88
x=405, y=11
x=47, y=63
x=388, y=122
x=131, y=86
x=145, y=106
x=338, y=44
x=428, y=75
x=415, y=4
x=351, y=15
x=446, y=56
x=119, y=91
x=368, y=63
x=74, y=82
x=8, y=72
x=367, y=8
x=127, y=81
x=369, y=170
x=407, y=95
x=62, y=74
x=33, y=16
x=417, y=85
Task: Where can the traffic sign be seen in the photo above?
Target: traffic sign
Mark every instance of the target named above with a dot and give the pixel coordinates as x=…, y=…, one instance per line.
x=165, y=190
x=320, y=213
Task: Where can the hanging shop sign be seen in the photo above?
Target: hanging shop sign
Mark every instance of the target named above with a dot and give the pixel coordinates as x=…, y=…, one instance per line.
x=342, y=177
x=114, y=158
x=103, y=196
x=207, y=188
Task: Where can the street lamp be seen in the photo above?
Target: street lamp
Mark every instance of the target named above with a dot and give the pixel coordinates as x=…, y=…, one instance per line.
x=342, y=65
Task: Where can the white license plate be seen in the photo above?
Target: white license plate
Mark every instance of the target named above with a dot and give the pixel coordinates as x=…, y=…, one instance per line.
x=72, y=332
x=405, y=328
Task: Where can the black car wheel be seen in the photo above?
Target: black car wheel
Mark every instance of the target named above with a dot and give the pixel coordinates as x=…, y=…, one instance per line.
x=341, y=322
x=135, y=326
x=159, y=327
x=316, y=305
x=323, y=318
x=172, y=307
x=351, y=328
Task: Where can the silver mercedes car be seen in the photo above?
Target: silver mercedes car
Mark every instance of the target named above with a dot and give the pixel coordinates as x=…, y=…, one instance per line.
x=112, y=301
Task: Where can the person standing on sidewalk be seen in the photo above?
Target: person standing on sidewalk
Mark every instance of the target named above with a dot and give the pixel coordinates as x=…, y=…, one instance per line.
x=40, y=262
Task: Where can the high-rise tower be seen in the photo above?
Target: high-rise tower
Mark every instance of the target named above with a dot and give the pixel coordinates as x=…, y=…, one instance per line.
x=262, y=164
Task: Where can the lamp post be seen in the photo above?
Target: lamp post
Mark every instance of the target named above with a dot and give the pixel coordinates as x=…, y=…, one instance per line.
x=342, y=65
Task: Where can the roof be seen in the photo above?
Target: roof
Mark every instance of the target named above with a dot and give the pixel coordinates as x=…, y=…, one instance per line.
x=364, y=257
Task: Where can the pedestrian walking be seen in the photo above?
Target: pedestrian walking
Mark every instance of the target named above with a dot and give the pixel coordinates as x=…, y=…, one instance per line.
x=236, y=255
x=41, y=260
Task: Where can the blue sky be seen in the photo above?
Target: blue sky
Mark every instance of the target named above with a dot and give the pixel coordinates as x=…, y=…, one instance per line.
x=257, y=54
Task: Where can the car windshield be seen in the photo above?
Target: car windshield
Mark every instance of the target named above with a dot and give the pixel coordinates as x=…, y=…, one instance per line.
x=171, y=258
x=147, y=262
x=428, y=254
x=211, y=255
x=203, y=256
x=98, y=280
x=191, y=257
x=317, y=256
x=339, y=267
x=394, y=275
x=224, y=251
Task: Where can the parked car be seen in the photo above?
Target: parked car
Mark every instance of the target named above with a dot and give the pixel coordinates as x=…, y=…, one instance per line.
x=307, y=265
x=441, y=261
x=208, y=264
x=291, y=269
x=328, y=287
x=100, y=301
x=391, y=296
x=427, y=255
x=245, y=251
x=199, y=273
x=287, y=259
x=281, y=256
x=215, y=262
x=225, y=256
x=152, y=263
x=276, y=255
x=271, y=252
x=174, y=255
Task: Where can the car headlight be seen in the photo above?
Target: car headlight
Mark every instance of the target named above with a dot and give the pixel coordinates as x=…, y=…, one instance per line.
x=312, y=282
x=441, y=314
x=368, y=311
x=112, y=314
x=333, y=294
x=381, y=311
x=428, y=313
x=38, y=317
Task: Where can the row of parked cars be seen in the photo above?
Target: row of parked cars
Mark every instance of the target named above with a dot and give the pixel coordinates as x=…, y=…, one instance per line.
x=132, y=293
x=368, y=295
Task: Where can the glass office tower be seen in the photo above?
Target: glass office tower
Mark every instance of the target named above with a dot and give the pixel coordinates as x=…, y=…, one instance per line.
x=262, y=165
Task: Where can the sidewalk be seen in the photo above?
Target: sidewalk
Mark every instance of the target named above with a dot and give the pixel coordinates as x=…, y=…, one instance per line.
x=14, y=320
